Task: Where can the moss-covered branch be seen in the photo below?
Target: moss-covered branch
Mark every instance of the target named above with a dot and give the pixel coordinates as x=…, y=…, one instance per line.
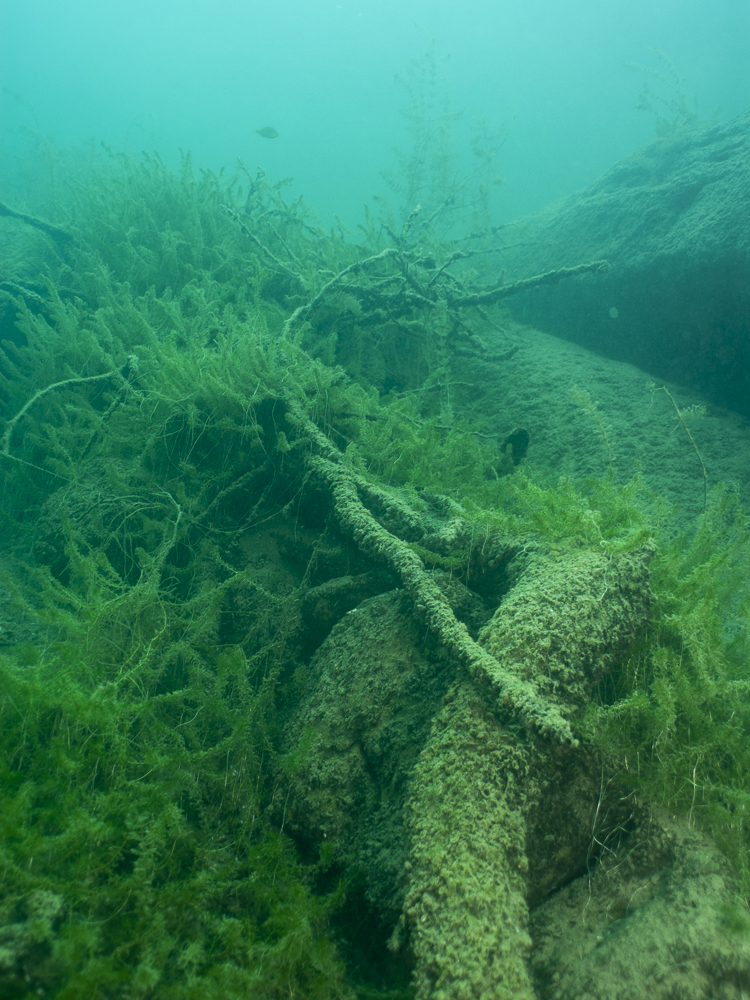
x=516, y=696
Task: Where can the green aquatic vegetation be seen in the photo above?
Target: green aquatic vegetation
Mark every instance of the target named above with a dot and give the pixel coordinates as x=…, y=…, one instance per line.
x=599, y=512
x=673, y=110
x=163, y=243
x=675, y=716
x=138, y=740
x=683, y=416
x=133, y=789
x=448, y=177
x=154, y=439
x=582, y=398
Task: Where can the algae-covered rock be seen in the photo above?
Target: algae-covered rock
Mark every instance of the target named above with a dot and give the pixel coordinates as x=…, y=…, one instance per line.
x=673, y=221
x=657, y=918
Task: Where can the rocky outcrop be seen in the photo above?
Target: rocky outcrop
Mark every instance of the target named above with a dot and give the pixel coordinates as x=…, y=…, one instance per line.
x=658, y=918
x=673, y=220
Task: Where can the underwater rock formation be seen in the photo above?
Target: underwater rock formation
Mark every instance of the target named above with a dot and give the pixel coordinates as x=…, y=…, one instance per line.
x=655, y=918
x=673, y=221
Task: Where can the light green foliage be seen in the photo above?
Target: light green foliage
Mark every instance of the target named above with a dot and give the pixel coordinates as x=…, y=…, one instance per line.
x=667, y=99
x=676, y=716
x=135, y=740
x=582, y=398
x=137, y=799
x=139, y=731
x=452, y=188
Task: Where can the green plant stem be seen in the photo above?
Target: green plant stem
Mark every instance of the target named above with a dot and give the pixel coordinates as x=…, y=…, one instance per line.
x=692, y=442
x=5, y=444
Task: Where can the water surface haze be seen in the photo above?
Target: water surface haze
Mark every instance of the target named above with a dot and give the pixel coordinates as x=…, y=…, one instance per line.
x=560, y=82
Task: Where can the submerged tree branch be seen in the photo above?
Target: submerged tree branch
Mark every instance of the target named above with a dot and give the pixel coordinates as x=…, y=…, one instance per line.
x=56, y=232
x=547, y=278
x=517, y=696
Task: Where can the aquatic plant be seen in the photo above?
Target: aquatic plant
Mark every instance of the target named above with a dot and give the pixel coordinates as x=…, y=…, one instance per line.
x=674, y=717
x=667, y=100
x=204, y=402
x=433, y=173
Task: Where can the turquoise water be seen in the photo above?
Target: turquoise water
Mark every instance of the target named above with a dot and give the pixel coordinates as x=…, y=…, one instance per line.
x=200, y=76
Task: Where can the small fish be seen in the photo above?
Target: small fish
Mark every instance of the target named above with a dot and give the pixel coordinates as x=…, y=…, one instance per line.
x=267, y=132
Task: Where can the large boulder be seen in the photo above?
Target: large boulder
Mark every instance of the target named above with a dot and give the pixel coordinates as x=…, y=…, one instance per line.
x=673, y=220
x=657, y=917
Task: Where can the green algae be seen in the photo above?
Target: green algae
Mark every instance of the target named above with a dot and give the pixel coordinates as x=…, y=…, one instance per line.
x=163, y=524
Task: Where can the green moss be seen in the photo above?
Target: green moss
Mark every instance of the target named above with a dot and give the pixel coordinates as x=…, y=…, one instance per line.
x=466, y=903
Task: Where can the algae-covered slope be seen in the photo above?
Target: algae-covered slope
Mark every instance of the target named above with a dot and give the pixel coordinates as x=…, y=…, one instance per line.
x=673, y=220
x=234, y=448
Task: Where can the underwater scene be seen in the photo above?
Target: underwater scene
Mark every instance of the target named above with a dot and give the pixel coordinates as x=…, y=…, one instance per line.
x=374, y=500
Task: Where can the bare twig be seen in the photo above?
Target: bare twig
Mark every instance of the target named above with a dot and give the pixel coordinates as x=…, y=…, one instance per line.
x=132, y=373
x=251, y=235
x=301, y=313
x=5, y=444
x=548, y=278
